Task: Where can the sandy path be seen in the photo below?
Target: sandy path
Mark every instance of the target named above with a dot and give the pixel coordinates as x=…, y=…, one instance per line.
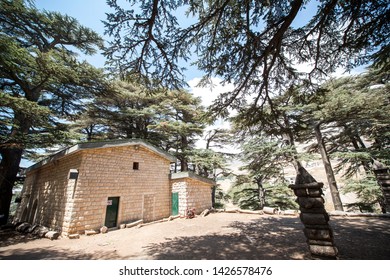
x=217, y=236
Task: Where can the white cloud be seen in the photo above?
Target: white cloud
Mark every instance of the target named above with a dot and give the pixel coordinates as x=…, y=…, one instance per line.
x=340, y=72
x=208, y=94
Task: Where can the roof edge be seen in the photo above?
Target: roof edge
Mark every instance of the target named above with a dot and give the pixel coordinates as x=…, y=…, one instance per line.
x=101, y=145
x=191, y=175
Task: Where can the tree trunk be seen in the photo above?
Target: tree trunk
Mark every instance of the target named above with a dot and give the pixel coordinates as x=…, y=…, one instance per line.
x=183, y=165
x=328, y=169
x=261, y=197
x=261, y=191
x=89, y=131
x=9, y=168
x=183, y=157
x=213, y=190
x=11, y=155
x=289, y=136
x=356, y=140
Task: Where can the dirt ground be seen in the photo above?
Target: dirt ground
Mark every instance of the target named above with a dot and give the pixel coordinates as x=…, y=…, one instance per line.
x=218, y=236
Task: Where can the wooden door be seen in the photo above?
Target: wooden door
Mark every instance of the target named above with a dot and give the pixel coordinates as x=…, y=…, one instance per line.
x=175, y=204
x=112, y=212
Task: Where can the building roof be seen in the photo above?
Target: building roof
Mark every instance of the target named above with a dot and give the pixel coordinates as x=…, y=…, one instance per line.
x=102, y=145
x=191, y=175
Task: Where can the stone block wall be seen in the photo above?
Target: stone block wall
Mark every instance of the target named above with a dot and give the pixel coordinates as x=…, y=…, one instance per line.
x=193, y=194
x=47, y=195
x=180, y=187
x=143, y=193
x=73, y=206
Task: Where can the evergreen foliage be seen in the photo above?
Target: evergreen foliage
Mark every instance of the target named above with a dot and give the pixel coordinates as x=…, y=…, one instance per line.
x=42, y=83
x=212, y=162
x=368, y=193
x=256, y=45
x=245, y=194
x=171, y=120
x=353, y=111
x=264, y=161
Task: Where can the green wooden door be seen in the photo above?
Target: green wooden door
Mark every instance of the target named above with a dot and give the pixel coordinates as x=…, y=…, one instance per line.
x=175, y=204
x=112, y=212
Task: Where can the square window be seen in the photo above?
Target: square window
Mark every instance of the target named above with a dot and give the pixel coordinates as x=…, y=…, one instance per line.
x=135, y=165
x=73, y=174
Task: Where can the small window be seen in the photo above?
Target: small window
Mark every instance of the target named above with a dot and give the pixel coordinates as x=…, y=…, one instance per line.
x=73, y=174
x=135, y=165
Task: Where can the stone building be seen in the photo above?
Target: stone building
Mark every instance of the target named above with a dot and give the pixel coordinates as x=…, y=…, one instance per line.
x=90, y=185
x=191, y=192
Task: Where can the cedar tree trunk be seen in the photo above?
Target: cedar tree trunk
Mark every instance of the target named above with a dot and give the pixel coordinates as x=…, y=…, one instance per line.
x=328, y=169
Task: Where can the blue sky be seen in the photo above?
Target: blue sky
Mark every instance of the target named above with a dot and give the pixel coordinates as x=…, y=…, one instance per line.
x=90, y=13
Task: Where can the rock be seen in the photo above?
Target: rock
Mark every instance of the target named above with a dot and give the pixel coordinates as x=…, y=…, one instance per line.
x=122, y=226
x=18, y=223
x=319, y=234
x=338, y=213
x=314, y=219
x=290, y=212
x=314, y=192
x=256, y=212
x=40, y=231
x=90, y=232
x=324, y=251
x=74, y=236
x=311, y=202
x=133, y=224
x=52, y=235
x=324, y=243
x=205, y=213
x=190, y=213
x=22, y=228
x=231, y=211
x=171, y=218
x=270, y=210
x=103, y=229
x=31, y=228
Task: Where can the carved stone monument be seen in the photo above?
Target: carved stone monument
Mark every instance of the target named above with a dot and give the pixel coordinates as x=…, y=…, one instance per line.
x=313, y=215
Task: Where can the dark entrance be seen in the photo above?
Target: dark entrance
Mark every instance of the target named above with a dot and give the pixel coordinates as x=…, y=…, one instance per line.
x=112, y=212
x=175, y=204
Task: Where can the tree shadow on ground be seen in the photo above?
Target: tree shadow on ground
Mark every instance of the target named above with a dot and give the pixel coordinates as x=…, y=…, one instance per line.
x=265, y=238
x=362, y=238
x=11, y=237
x=52, y=253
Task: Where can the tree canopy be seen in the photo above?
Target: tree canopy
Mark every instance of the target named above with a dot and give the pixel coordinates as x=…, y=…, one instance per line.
x=344, y=119
x=41, y=83
x=257, y=45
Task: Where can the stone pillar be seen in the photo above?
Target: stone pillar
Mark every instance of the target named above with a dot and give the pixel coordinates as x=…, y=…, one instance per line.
x=383, y=177
x=313, y=215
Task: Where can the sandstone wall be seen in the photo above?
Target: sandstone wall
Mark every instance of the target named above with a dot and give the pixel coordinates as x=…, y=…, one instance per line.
x=193, y=194
x=47, y=194
x=71, y=206
x=143, y=193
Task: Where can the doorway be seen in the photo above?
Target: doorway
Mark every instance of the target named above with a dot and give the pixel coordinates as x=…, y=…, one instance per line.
x=175, y=204
x=112, y=212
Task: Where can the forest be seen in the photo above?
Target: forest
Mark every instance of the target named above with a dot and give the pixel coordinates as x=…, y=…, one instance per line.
x=279, y=117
